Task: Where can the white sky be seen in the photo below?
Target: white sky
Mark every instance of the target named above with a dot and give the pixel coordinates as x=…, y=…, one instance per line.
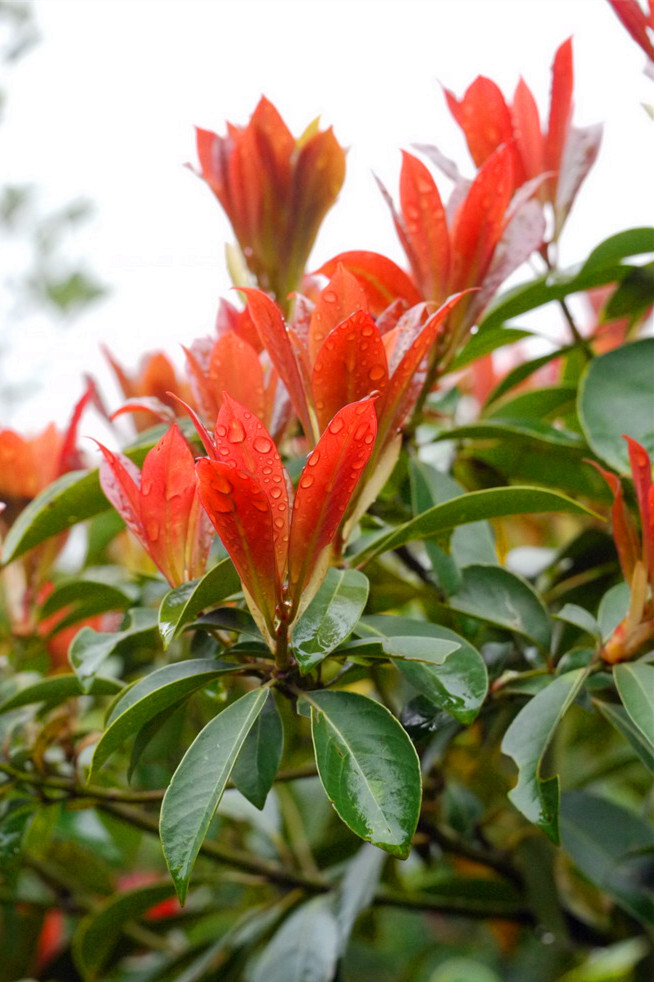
x=105, y=106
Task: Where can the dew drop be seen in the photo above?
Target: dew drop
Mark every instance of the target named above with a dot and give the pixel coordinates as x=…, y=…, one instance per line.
x=146, y=488
x=367, y=331
x=221, y=430
x=266, y=470
x=369, y=439
x=275, y=492
x=153, y=530
x=314, y=458
x=262, y=444
x=329, y=296
x=223, y=504
x=361, y=431
x=222, y=485
x=259, y=503
x=336, y=426
x=376, y=373
x=236, y=431
x=279, y=523
x=306, y=480
x=224, y=452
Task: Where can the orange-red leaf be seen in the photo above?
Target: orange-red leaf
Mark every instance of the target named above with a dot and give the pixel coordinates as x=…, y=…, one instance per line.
x=240, y=513
x=243, y=443
x=560, y=110
x=528, y=136
x=381, y=278
x=484, y=117
x=342, y=296
x=326, y=486
x=641, y=471
x=425, y=225
x=350, y=365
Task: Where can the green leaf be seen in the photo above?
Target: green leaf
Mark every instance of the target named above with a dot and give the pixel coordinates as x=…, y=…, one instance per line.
x=90, y=648
x=305, y=949
x=617, y=716
x=615, y=397
x=368, y=768
x=613, y=608
x=471, y=507
x=524, y=370
x=86, y=598
x=482, y=344
x=581, y=618
x=57, y=688
x=198, y=784
x=609, y=844
x=635, y=683
x=537, y=404
x=156, y=693
x=258, y=762
x=181, y=606
x=68, y=500
x=330, y=617
x=611, y=964
x=99, y=932
x=633, y=297
x=357, y=890
x=15, y=816
x=458, y=685
x=527, y=739
x=601, y=267
x=495, y=595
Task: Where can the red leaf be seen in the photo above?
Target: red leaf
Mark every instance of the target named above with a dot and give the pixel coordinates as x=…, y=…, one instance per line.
x=381, y=278
x=560, y=111
x=425, y=225
x=240, y=513
x=350, y=365
x=120, y=480
x=402, y=390
x=624, y=532
x=641, y=471
x=234, y=367
x=342, y=296
x=326, y=486
x=270, y=324
x=243, y=443
x=479, y=222
x=528, y=136
x=484, y=117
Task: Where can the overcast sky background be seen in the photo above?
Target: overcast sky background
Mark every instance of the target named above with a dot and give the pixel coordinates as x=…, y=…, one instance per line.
x=104, y=108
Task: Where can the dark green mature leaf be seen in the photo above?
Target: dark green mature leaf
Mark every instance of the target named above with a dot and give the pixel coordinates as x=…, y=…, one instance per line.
x=527, y=431
x=330, y=617
x=617, y=716
x=56, y=689
x=602, y=266
x=69, y=500
x=91, y=648
x=15, y=816
x=493, y=594
x=537, y=404
x=609, y=844
x=156, y=693
x=87, y=597
x=304, y=949
x=357, y=890
x=633, y=297
x=472, y=507
x=615, y=397
x=527, y=739
x=198, y=784
x=181, y=606
x=581, y=618
x=368, y=768
x=635, y=683
x=99, y=932
x=524, y=370
x=258, y=762
x=459, y=685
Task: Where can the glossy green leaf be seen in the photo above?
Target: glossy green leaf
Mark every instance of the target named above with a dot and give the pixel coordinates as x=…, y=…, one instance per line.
x=537, y=404
x=330, y=617
x=601, y=267
x=99, y=932
x=482, y=344
x=472, y=507
x=181, y=606
x=70, y=499
x=459, y=685
x=610, y=846
x=258, y=762
x=15, y=816
x=526, y=431
x=527, y=739
x=623, y=723
x=613, y=609
x=633, y=296
x=495, y=595
x=581, y=618
x=198, y=784
x=635, y=683
x=615, y=397
x=86, y=597
x=91, y=648
x=56, y=689
x=304, y=949
x=368, y=768
x=357, y=890
x=524, y=370
x=156, y=693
